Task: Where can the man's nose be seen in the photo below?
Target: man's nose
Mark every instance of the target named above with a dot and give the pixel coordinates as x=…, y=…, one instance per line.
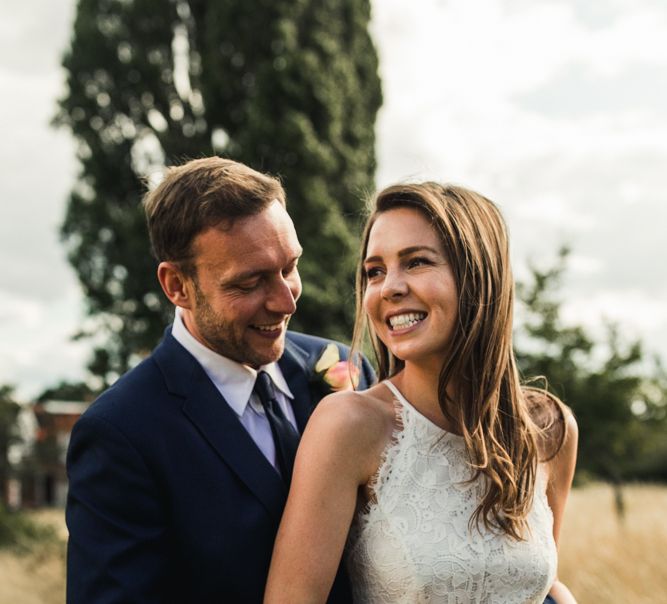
x=284, y=294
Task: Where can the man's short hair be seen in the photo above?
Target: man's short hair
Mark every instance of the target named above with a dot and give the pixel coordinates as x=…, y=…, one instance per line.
x=200, y=194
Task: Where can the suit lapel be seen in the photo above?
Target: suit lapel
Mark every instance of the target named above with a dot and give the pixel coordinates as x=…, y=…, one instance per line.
x=295, y=367
x=205, y=407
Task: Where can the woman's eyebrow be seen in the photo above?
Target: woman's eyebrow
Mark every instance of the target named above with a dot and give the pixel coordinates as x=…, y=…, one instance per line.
x=405, y=252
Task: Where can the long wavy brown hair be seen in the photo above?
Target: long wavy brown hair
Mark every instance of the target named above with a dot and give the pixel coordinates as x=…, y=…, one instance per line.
x=489, y=408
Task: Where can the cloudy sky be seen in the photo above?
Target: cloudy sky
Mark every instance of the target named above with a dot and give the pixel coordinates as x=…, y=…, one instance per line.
x=557, y=110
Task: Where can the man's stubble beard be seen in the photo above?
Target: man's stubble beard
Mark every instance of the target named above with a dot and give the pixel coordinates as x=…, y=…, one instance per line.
x=219, y=335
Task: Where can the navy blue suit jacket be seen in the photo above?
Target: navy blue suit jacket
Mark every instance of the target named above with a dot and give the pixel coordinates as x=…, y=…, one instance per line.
x=170, y=500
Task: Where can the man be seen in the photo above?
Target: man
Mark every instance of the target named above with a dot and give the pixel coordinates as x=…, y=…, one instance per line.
x=180, y=471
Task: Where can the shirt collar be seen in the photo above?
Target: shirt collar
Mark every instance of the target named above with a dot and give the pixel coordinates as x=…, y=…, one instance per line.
x=235, y=381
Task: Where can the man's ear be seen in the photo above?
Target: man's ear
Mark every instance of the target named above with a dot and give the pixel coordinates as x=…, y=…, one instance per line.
x=175, y=284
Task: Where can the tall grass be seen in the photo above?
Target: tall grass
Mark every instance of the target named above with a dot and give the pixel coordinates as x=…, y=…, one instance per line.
x=20, y=531
x=32, y=558
x=607, y=558
x=602, y=558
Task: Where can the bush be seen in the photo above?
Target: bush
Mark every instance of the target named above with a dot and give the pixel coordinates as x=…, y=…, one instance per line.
x=20, y=532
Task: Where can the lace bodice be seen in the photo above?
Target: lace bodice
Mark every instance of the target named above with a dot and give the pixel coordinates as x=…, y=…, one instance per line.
x=413, y=543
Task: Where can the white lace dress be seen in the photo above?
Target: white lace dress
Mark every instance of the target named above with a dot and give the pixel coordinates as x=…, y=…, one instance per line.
x=413, y=543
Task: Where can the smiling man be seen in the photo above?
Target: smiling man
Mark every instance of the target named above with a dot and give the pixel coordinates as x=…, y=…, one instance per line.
x=179, y=472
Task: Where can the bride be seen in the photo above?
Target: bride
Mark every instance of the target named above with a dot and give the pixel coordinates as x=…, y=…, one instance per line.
x=447, y=481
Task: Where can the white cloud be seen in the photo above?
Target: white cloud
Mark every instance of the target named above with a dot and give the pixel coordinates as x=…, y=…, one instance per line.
x=36, y=350
x=637, y=315
x=466, y=88
x=552, y=208
x=642, y=30
x=631, y=308
x=40, y=302
x=452, y=71
x=584, y=265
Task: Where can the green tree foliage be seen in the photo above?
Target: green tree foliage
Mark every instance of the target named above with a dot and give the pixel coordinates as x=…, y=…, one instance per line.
x=288, y=87
x=68, y=391
x=619, y=405
x=19, y=532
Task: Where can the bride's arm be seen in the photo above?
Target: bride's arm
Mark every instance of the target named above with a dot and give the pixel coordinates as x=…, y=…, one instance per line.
x=339, y=451
x=561, y=473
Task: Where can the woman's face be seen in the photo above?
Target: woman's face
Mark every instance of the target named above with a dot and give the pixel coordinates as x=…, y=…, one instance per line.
x=410, y=298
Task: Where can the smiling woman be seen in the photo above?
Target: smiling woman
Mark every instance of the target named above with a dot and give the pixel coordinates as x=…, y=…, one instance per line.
x=420, y=325
x=448, y=477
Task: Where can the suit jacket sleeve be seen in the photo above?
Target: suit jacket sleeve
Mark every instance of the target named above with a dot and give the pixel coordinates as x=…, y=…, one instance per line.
x=368, y=377
x=116, y=522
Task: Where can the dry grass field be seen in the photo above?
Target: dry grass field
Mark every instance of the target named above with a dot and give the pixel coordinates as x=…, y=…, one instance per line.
x=37, y=576
x=603, y=559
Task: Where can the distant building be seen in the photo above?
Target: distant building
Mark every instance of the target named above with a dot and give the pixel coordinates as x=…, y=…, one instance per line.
x=43, y=478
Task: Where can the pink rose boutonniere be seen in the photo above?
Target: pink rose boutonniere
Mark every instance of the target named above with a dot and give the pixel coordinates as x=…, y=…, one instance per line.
x=336, y=374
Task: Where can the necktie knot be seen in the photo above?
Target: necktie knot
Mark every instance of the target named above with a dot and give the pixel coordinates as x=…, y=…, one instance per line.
x=265, y=390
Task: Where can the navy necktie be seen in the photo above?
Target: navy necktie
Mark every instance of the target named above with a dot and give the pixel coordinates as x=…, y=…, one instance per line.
x=285, y=437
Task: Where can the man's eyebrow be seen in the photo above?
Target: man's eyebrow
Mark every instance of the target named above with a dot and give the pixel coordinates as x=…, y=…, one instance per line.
x=257, y=272
x=244, y=275
x=413, y=249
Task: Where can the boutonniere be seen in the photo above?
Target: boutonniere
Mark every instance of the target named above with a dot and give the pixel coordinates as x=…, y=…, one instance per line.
x=334, y=374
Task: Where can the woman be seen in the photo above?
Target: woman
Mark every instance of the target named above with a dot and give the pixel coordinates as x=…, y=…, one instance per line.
x=452, y=478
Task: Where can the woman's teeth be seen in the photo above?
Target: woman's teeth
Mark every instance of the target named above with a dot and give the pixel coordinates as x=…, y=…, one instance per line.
x=406, y=320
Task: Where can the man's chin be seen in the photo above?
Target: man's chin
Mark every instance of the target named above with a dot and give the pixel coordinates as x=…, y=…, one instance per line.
x=268, y=353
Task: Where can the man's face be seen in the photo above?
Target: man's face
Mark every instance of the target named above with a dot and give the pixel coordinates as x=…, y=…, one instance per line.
x=246, y=286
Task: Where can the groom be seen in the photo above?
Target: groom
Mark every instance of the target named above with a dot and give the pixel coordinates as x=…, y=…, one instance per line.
x=180, y=471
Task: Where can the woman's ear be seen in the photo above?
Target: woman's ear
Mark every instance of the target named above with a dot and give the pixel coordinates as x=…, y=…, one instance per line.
x=175, y=284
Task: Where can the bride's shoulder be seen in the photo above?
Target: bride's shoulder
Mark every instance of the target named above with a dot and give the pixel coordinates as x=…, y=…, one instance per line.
x=367, y=415
x=351, y=430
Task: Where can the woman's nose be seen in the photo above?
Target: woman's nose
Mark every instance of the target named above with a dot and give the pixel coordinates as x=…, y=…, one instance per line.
x=394, y=286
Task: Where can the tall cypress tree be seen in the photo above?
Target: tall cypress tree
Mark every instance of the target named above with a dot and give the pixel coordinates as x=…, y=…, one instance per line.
x=289, y=87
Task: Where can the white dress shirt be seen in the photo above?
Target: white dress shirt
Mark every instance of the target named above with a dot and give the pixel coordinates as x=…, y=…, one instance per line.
x=235, y=382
